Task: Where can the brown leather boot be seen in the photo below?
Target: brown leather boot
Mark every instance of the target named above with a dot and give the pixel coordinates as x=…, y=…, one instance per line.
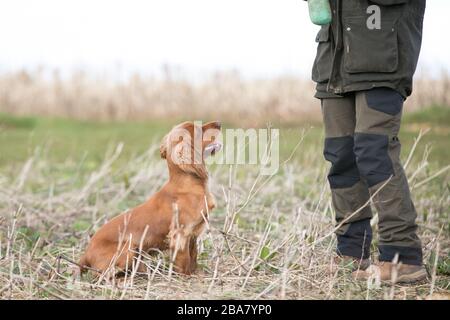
x=348, y=263
x=392, y=272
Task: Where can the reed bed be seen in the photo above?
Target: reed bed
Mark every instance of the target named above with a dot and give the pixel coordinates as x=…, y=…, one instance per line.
x=226, y=96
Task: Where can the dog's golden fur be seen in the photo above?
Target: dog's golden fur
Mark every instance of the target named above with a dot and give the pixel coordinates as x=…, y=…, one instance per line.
x=155, y=224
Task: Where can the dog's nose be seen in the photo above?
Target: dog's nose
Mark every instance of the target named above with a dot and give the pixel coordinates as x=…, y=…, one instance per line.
x=217, y=125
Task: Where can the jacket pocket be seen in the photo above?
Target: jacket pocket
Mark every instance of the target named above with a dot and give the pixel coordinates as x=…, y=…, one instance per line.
x=323, y=62
x=370, y=50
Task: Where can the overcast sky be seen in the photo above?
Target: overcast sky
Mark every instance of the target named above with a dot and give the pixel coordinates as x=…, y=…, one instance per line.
x=257, y=37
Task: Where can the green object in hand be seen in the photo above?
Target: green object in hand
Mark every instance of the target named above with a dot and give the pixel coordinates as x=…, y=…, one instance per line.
x=319, y=11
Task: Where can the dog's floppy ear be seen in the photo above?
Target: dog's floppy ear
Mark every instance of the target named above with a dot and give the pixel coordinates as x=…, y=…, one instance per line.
x=163, y=148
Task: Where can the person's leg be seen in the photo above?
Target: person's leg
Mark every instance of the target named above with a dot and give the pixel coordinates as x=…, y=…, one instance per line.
x=349, y=192
x=377, y=149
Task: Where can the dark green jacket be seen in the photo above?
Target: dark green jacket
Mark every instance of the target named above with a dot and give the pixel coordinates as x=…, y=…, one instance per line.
x=353, y=57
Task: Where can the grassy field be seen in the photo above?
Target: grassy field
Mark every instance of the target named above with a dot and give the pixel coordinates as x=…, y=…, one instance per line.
x=269, y=237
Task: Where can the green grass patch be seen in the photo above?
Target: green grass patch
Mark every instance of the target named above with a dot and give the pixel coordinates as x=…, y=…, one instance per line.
x=63, y=139
x=11, y=122
x=436, y=115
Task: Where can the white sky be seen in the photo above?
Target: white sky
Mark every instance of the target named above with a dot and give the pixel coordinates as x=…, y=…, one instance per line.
x=256, y=37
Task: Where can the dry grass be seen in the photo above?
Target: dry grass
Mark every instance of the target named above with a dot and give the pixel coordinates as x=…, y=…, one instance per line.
x=225, y=96
x=270, y=237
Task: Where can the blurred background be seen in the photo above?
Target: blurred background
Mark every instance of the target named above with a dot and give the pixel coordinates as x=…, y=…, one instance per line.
x=246, y=63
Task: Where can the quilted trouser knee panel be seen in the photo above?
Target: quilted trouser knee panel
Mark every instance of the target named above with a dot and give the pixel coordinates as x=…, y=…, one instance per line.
x=372, y=157
x=343, y=172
